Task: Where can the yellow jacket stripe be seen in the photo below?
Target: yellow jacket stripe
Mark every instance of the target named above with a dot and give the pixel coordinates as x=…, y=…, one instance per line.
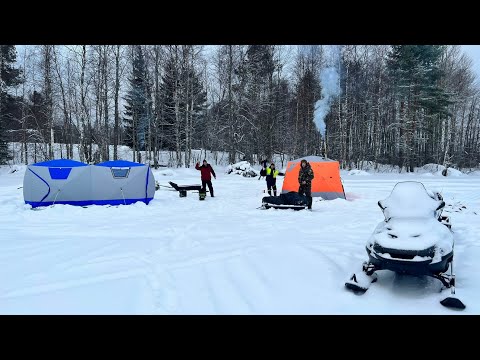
x=269, y=171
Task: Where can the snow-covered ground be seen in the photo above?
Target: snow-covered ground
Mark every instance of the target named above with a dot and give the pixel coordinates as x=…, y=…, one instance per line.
x=222, y=255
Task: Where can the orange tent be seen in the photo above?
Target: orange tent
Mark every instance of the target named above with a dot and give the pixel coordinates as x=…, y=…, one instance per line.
x=326, y=182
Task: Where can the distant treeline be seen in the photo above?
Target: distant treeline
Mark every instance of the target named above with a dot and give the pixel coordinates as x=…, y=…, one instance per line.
x=404, y=105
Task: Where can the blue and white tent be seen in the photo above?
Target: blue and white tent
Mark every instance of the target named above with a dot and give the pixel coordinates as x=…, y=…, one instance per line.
x=76, y=183
x=57, y=182
x=122, y=182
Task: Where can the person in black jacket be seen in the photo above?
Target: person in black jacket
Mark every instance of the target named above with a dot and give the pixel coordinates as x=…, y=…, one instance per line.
x=305, y=177
x=263, y=171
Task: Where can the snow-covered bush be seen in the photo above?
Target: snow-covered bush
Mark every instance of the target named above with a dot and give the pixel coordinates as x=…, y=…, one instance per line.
x=431, y=168
x=438, y=170
x=242, y=168
x=451, y=172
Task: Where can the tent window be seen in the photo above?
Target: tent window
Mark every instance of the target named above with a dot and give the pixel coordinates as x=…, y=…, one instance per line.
x=59, y=173
x=120, y=173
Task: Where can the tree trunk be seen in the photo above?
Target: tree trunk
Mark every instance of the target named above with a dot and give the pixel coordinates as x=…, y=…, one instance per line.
x=117, y=90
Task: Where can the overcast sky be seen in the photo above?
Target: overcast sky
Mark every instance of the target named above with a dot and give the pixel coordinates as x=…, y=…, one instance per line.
x=474, y=52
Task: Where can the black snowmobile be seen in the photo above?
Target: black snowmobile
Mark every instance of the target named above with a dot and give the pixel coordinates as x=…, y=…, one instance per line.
x=290, y=200
x=414, y=238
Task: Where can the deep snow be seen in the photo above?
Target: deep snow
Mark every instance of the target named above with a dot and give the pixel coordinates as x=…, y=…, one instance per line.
x=222, y=255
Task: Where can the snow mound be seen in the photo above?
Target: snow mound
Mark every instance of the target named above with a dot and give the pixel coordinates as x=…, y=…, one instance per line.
x=166, y=172
x=450, y=172
x=438, y=170
x=431, y=168
x=242, y=168
x=6, y=169
x=358, y=172
x=377, y=167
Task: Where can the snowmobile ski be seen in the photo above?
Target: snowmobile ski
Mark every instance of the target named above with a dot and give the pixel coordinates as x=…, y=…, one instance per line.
x=360, y=282
x=453, y=302
x=279, y=206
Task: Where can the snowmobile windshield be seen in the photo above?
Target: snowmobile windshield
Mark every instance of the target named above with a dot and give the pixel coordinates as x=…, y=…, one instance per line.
x=410, y=199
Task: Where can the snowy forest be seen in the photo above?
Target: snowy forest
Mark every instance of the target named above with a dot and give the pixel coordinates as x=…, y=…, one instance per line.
x=403, y=105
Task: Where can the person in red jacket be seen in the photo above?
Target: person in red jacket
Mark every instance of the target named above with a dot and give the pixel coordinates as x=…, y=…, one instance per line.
x=205, y=170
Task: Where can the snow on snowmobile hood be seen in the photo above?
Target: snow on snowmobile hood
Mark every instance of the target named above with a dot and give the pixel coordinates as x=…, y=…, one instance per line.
x=413, y=234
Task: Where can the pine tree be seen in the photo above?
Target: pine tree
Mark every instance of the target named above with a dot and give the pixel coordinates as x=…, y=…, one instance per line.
x=256, y=74
x=198, y=98
x=168, y=86
x=307, y=93
x=184, y=88
x=138, y=109
x=415, y=72
x=9, y=77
